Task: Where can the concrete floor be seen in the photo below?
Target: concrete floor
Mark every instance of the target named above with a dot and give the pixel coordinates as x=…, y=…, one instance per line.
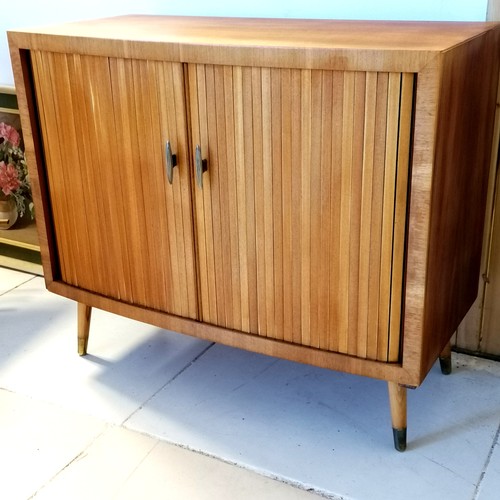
x=156, y=415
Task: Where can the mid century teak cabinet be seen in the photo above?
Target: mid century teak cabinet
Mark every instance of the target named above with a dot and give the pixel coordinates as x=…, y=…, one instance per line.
x=312, y=190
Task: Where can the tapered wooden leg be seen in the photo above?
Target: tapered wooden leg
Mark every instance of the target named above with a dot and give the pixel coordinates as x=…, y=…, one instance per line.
x=84, y=314
x=445, y=359
x=397, y=401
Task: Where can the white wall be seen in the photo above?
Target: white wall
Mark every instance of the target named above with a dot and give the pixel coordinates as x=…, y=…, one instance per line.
x=35, y=12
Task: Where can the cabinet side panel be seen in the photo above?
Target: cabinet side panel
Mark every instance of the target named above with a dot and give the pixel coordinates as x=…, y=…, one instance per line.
x=464, y=137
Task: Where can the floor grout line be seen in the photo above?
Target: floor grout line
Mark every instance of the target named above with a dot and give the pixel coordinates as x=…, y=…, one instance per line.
x=77, y=457
x=496, y=441
x=17, y=286
x=178, y=374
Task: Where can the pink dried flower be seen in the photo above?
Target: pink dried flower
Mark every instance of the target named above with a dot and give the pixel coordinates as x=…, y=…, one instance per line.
x=9, y=178
x=9, y=133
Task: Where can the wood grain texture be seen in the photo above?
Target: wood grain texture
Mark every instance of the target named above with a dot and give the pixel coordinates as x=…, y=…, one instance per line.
x=294, y=43
x=398, y=405
x=298, y=192
x=104, y=144
x=255, y=343
x=84, y=316
x=462, y=159
x=33, y=150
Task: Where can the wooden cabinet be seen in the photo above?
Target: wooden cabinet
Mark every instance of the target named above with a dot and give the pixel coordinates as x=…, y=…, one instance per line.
x=313, y=190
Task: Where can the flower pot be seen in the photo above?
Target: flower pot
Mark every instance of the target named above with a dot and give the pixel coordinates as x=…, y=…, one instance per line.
x=8, y=213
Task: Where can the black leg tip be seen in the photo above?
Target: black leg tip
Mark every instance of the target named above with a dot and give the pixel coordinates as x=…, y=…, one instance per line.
x=445, y=364
x=399, y=439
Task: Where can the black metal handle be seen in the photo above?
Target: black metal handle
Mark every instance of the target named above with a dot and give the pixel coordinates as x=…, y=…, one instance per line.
x=201, y=166
x=171, y=162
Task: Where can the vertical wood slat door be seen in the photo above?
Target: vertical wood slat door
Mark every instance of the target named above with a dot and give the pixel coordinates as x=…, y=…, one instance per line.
x=121, y=230
x=300, y=223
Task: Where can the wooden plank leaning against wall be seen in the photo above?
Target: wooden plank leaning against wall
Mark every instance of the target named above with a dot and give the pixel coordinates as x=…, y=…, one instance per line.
x=479, y=332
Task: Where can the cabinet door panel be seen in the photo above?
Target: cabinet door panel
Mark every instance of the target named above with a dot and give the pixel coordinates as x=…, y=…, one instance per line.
x=121, y=230
x=301, y=219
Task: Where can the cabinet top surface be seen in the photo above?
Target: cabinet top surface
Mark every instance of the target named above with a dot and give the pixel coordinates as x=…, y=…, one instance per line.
x=286, y=33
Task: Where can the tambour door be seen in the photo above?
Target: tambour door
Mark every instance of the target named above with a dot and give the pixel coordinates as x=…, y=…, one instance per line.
x=300, y=220
x=121, y=229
